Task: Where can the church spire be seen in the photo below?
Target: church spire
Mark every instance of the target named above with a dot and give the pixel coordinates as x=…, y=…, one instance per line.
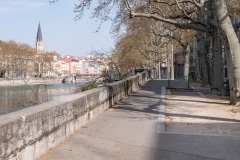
x=39, y=40
x=39, y=34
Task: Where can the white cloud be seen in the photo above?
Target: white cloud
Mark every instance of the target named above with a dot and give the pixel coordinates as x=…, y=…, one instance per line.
x=14, y=6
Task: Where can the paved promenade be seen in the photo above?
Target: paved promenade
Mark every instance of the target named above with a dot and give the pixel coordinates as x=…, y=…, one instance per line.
x=135, y=130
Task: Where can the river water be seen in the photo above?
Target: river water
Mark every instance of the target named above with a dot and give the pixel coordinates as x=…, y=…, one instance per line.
x=13, y=98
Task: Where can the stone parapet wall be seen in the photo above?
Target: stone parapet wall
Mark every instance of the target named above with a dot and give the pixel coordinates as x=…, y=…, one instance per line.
x=29, y=133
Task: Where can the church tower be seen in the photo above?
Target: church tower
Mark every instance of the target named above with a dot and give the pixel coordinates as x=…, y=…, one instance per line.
x=39, y=40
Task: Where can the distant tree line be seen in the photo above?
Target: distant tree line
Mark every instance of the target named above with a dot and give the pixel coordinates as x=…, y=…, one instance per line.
x=18, y=60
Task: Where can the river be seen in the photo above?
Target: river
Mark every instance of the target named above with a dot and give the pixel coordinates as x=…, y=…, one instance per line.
x=13, y=98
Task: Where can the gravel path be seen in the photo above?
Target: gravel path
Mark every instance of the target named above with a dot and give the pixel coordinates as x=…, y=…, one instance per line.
x=188, y=112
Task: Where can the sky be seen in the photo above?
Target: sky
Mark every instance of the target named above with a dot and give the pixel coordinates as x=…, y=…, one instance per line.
x=19, y=21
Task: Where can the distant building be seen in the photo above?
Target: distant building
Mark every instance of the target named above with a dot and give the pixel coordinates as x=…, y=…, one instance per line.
x=51, y=64
x=39, y=40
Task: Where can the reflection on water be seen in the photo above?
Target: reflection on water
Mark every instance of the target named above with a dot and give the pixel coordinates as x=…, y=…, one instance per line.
x=14, y=98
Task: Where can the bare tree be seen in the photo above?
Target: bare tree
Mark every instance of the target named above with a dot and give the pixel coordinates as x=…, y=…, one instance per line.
x=16, y=59
x=182, y=14
x=43, y=63
x=114, y=71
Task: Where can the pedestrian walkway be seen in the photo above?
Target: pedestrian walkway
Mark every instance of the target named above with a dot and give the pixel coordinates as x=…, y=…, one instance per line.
x=130, y=131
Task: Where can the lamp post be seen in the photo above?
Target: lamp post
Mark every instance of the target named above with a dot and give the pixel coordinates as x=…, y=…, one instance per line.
x=157, y=55
x=163, y=66
x=172, y=65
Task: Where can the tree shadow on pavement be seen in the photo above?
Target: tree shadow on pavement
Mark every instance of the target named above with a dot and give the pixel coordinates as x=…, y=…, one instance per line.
x=152, y=109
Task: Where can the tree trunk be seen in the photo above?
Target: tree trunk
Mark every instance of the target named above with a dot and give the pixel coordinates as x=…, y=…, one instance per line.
x=217, y=79
x=202, y=51
x=186, y=64
x=203, y=58
x=233, y=61
x=197, y=64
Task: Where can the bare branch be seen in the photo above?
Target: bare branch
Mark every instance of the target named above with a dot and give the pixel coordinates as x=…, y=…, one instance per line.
x=199, y=27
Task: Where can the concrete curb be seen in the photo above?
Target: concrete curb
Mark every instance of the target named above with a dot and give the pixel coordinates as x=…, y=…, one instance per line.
x=191, y=86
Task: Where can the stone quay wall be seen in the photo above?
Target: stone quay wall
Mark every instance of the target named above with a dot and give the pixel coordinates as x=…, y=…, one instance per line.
x=31, y=132
x=15, y=82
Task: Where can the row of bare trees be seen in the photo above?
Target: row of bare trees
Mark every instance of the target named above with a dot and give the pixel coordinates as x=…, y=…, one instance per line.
x=147, y=42
x=210, y=20
x=21, y=60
